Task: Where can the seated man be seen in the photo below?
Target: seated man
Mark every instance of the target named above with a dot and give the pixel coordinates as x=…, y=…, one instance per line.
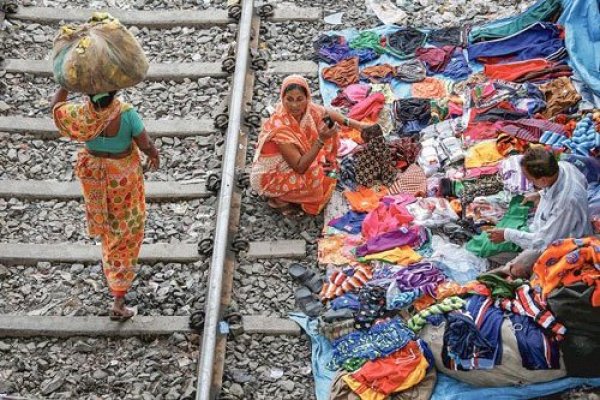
x=562, y=210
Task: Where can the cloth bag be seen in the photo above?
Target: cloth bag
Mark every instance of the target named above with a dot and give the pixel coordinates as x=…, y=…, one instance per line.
x=98, y=56
x=509, y=373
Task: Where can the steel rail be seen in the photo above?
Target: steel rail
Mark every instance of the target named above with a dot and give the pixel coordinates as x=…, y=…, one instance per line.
x=205, y=387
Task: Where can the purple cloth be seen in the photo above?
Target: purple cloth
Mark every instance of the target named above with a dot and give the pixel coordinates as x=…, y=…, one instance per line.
x=412, y=237
x=424, y=276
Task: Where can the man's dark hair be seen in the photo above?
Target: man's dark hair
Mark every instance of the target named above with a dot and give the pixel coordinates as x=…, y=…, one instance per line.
x=539, y=163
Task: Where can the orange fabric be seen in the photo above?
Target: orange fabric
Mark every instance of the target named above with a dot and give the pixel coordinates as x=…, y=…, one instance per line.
x=365, y=199
x=113, y=190
x=330, y=250
x=81, y=121
x=513, y=71
x=354, y=134
x=378, y=379
x=377, y=73
x=343, y=73
x=429, y=88
x=272, y=176
x=566, y=262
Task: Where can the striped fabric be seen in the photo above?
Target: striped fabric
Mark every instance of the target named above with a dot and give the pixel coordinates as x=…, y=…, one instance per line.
x=530, y=129
x=526, y=303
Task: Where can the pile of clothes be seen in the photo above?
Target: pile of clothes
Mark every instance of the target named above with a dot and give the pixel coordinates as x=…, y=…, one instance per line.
x=404, y=250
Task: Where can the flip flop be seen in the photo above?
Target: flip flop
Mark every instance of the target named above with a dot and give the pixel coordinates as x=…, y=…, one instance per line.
x=300, y=273
x=307, y=277
x=306, y=302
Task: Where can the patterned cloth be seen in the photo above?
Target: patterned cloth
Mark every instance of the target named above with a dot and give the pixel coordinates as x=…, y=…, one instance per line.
x=418, y=322
x=271, y=175
x=113, y=190
x=528, y=303
x=412, y=181
x=381, y=340
x=374, y=163
x=566, y=262
x=82, y=121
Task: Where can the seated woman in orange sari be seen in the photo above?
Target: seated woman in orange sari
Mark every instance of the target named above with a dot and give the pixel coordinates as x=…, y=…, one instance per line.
x=296, y=150
x=111, y=177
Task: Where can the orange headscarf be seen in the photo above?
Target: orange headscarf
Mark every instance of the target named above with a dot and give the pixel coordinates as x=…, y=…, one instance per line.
x=283, y=128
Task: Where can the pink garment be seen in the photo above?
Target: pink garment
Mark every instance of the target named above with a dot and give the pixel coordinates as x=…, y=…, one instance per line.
x=474, y=173
x=455, y=110
x=357, y=92
x=390, y=215
x=346, y=147
x=369, y=107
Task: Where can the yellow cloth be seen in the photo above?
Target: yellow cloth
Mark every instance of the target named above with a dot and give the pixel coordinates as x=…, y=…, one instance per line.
x=403, y=255
x=483, y=154
x=366, y=393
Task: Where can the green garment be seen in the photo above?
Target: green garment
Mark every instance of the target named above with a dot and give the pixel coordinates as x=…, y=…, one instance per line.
x=500, y=287
x=515, y=218
x=367, y=40
x=354, y=364
x=541, y=11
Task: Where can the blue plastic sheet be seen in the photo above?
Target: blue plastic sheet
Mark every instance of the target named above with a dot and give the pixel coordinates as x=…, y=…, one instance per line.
x=581, y=19
x=321, y=354
x=448, y=388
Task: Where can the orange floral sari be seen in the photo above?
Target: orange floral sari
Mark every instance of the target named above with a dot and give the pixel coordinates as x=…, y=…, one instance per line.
x=272, y=176
x=113, y=190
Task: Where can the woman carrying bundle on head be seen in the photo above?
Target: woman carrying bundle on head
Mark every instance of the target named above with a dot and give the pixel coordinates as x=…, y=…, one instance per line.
x=112, y=180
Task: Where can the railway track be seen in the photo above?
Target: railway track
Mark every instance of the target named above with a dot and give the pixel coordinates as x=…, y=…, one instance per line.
x=192, y=272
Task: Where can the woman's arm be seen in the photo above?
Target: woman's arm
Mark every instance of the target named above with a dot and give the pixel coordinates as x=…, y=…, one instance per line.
x=60, y=96
x=343, y=120
x=301, y=162
x=297, y=161
x=146, y=145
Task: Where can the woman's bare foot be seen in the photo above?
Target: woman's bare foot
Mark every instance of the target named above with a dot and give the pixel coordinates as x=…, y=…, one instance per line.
x=291, y=211
x=277, y=204
x=119, y=312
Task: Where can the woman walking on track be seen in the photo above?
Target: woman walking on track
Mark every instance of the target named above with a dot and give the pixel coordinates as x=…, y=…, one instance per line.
x=297, y=147
x=112, y=180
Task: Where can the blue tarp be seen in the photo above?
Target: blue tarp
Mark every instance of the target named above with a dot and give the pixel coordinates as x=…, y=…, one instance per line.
x=321, y=354
x=447, y=388
x=581, y=19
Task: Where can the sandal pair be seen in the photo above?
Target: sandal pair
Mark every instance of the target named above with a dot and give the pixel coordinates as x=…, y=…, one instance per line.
x=306, y=296
x=307, y=277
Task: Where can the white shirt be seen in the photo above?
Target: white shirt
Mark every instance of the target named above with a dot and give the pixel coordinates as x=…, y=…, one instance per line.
x=562, y=212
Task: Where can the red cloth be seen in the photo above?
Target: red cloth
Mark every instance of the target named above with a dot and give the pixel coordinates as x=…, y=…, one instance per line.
x=436, y=58
x=514, y=70
x=369, y=107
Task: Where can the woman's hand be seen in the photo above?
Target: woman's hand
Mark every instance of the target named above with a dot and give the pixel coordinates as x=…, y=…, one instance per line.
x=327, y=133
x=153, y=161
